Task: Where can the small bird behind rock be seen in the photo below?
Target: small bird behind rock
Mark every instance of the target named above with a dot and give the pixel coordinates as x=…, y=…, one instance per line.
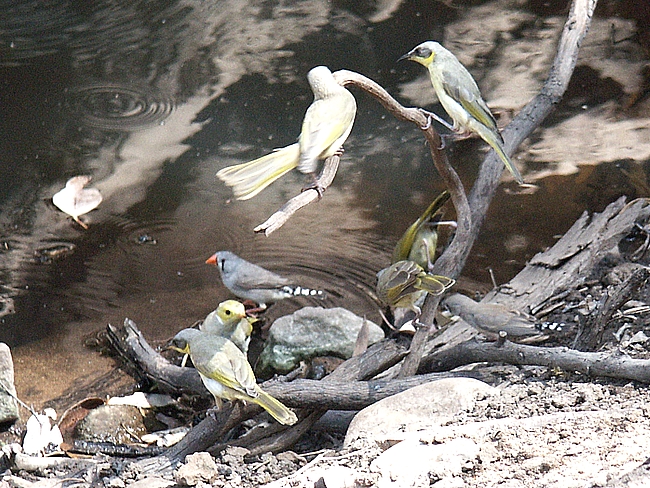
x=249, y=281
x=229, y=321
x=491, y=318
x=459, y=94
x=226, y=372
x=403, y=283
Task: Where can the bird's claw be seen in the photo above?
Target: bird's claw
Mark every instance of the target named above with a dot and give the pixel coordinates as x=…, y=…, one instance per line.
x=320, y=189
x=428, y=124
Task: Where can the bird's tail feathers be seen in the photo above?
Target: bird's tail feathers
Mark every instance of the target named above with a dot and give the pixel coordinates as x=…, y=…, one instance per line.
x=275, y=408
x=494, y=140
x=300, y=291
x=248, y=179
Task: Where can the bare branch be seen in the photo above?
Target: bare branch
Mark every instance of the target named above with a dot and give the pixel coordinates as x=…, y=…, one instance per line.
x=609, y=364
x=309, y=195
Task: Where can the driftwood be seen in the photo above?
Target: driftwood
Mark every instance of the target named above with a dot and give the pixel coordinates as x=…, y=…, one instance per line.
x=568, y=263
x=611, y=365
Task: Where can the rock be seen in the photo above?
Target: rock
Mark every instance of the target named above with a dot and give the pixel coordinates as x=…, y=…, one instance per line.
x=42, y=435
x=416, y=463
x=312, y=332
x=152, y=482
x=116, y=424
x=8, y=404
x=198, y=468
x=319, y=476
x=422, y=407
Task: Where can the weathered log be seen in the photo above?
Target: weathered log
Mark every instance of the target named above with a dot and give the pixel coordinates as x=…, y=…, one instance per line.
x=607, y=364
x=570, y=261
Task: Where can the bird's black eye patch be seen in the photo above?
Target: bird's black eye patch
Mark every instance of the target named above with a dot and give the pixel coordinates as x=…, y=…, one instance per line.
x=423, y=52
x=228, y=312
x=223, y=265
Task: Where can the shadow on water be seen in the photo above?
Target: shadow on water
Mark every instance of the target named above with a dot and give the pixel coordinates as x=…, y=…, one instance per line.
x=152, y=98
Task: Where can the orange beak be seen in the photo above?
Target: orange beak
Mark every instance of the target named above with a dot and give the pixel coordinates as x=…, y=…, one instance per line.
x=212, y=260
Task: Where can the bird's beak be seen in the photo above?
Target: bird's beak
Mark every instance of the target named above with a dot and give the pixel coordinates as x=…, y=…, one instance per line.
x=406, y=56
x=212, y=260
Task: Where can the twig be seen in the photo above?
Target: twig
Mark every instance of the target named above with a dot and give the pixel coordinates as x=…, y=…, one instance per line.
x=309, y=195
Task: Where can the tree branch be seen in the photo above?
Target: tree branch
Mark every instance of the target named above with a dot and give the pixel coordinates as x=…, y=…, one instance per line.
x=309, y=195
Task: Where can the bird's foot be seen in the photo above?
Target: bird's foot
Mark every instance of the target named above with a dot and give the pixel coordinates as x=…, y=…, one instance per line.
x=315, y=185
x=252, y=308
x=431, y=116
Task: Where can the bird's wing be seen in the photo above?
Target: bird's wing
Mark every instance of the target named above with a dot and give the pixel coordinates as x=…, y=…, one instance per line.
x=326, y=121
x=230, y=368
x=249, y=277
x=434, y=284
x=462, y=88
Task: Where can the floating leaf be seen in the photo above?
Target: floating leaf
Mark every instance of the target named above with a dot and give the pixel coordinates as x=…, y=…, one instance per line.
x=75, y=200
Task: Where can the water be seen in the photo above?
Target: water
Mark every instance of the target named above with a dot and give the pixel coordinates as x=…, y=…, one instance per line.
x=152, y=98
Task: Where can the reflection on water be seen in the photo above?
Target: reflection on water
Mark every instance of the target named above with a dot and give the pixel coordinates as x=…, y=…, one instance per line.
x=153, y=98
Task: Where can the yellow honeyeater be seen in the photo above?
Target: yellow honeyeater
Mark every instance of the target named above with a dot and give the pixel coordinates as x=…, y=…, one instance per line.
x=459, y=95
x=404, y=282
x=419, y=241
x=229, y=321
x=327, y=124
x=226, y=373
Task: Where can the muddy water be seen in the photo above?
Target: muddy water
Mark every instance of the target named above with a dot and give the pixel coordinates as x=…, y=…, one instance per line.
x=152, y=99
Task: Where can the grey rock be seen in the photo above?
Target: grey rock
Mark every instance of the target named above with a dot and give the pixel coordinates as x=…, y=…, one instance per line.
x=199, y=467
x=312, y=332
x=422, y=407
x=8, y=404
x=111, y=423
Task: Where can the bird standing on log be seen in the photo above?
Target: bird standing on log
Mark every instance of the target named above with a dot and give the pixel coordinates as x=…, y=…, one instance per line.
x=226, y=372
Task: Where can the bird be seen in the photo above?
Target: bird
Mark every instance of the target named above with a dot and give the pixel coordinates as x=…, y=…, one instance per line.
x=419, y=241
x=325, y=127
x=229, y=320
x=460, y=97
x=252, y=282
x=492, y=318
x=226, y=372
x=403, y=283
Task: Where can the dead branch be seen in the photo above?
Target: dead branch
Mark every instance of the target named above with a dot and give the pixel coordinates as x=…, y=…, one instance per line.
x=608, y=364
x=570, y=261
x=309, y=195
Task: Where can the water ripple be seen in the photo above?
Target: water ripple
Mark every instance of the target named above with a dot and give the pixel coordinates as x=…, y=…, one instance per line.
x=118, y=107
